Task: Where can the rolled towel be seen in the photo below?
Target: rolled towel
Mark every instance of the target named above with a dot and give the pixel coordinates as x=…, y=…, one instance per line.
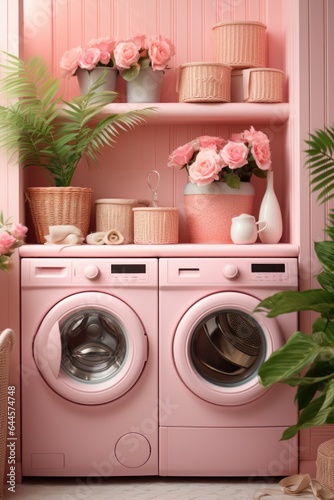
x=113, y=237
x=95, y=238
x=64, y=235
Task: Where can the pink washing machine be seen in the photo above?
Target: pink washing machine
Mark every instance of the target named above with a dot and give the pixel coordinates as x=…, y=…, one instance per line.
x=217, y=419
x=89, y=367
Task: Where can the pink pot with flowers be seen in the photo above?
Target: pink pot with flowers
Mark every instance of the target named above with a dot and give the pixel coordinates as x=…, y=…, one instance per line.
x=219, y=175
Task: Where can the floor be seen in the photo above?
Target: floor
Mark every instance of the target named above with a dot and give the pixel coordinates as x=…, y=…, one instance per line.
x=145, y=489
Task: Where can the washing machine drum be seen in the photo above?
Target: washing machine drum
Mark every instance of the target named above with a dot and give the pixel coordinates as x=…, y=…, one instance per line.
x=219, y=345
x=90, y=348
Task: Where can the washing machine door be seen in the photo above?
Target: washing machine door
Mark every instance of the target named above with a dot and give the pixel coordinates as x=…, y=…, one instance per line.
x=90, y=348
x=219, y=345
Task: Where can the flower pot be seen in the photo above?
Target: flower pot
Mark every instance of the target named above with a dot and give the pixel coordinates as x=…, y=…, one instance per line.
x=145, y=87
x=87, y=78
x=209, y=210
x=53, y=206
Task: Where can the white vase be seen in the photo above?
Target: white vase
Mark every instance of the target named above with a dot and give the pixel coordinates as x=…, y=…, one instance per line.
x=270, y=212
x=145, y=87
x=209, y=210
x=87, y=78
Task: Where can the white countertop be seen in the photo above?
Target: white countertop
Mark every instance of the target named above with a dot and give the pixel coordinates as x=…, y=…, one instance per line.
x=178, y=250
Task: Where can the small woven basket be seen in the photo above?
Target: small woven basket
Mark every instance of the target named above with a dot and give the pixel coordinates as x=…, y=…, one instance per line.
x=6, y=346
x=53, y=206
x=257, y=85
x=156, y=225
x=240, y=44
x=117, y=214
x=204, y=82
x=325, y=464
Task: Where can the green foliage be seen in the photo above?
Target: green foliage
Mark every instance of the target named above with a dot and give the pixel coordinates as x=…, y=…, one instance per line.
x=41, y=129
x=306, y=361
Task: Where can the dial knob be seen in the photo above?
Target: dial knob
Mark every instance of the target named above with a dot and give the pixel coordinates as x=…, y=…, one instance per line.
x=230, y=271
x=91, y=272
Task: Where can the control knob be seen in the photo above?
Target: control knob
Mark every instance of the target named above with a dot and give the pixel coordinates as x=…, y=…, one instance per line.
x=230, y=271
x=91, y=272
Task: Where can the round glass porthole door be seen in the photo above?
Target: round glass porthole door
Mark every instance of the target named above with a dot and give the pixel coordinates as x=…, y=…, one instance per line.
x=94, y=345
x=91, y=348
x=219, y=345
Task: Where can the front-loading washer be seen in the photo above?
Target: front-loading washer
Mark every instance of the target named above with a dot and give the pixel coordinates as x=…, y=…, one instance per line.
x=218, y=418
x=89, y=367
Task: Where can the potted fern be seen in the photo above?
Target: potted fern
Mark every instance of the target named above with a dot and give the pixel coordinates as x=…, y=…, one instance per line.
x=306, y=361
x=42, y=129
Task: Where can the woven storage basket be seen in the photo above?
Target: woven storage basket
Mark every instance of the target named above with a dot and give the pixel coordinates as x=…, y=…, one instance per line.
x=240, y=44
x=257, y=85
x=53, y=206
x=204, y=82
x=117, y=214
x=156, y=226
x=6, y=346
x=325, y=464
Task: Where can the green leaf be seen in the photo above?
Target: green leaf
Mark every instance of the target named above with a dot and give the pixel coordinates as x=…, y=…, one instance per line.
x=289, y=360
x=288, y=301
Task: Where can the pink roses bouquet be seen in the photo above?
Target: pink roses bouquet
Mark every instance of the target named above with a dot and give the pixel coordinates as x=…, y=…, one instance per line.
x=139, y=52
x=208, y=159
x=11, y=237
x=98, y=52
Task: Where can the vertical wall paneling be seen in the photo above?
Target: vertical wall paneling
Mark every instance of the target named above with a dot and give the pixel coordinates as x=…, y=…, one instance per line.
x=12, y=206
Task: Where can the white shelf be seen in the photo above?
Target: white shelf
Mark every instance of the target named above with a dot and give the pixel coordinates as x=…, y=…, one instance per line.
x=194, y=113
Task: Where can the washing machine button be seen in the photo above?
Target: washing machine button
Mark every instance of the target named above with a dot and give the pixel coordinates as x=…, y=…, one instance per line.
x=230, y=271
x=91, y=272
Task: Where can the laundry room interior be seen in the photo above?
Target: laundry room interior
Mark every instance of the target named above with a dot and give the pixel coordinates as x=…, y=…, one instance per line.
x=136, y=342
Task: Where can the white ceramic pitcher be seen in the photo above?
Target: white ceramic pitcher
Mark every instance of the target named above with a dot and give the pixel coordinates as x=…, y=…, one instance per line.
x=244, y=229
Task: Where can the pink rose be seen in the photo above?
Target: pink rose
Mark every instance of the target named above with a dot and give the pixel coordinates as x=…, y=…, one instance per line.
x=6, y=242
x=205, y=168
x=18, y=231
x=89, y=58
x=261, y=154
x=160, y=50
x=181, y=156
x=104, y=57
x=103, y=44
x=206, y=141
x=234, y=154
x=140, y=41
x=253, y=135
x=126, y=54
x=69, y=62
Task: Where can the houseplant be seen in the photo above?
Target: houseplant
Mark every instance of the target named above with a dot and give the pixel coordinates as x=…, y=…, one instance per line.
x=219, y=173
x=44, y=130
x=141, y=61
x=306, y=361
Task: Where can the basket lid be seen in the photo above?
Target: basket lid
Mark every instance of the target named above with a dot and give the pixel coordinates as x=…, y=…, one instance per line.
x=231, y=23
x=121, y=201
x=156, y=209
x=189, y=64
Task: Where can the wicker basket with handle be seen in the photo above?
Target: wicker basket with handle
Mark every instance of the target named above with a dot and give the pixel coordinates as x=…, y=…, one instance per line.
x=204, y=82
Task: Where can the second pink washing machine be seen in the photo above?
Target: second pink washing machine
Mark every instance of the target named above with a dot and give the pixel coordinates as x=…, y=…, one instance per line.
x=218, y=418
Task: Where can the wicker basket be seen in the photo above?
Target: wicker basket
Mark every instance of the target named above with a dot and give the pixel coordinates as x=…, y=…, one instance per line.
x=325, y=464
x=117, y=214
x=53, y=206
x=6, y=346
x=240, y=44
x=156, y=226
x=204, y=82
x=257, y=85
